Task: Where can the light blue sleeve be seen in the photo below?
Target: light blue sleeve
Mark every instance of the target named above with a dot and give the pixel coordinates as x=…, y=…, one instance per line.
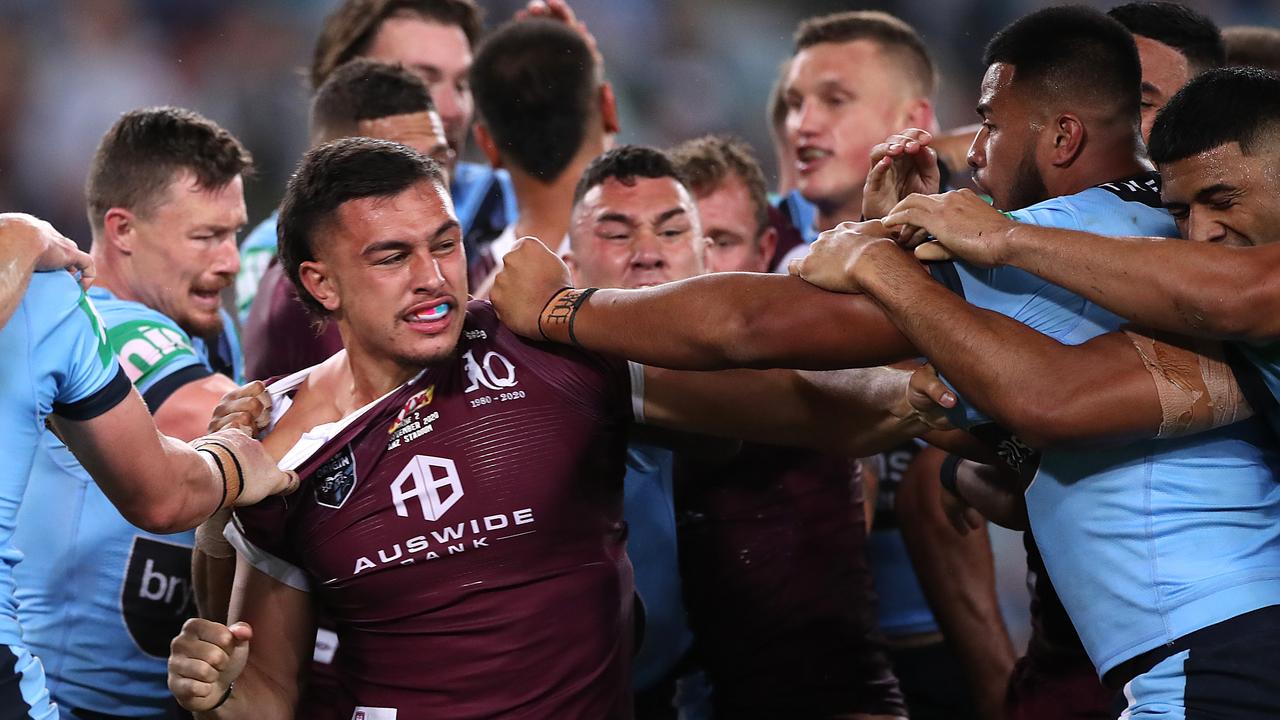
x=70, y=342
x=157, y=355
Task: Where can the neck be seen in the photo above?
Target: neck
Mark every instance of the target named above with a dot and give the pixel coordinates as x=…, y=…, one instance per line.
x=545, y=207
x=369, y=376
x=831, y=214
x=1110, y=159
x=110, y=276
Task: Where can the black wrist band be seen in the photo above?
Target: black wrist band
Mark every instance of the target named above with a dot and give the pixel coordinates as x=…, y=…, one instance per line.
x=947, y=474
x=221, y=471
x=573, y=315
x=225, y=696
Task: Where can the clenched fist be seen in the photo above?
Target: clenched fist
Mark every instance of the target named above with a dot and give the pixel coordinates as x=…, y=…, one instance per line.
x=531, y=274
x=205, y=659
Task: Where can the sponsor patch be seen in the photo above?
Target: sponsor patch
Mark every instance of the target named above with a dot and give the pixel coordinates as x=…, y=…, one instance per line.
x=334, y=480
x=156, y=598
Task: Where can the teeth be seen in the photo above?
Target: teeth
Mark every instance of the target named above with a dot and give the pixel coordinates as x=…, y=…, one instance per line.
x=433, y=314
x=810, y=154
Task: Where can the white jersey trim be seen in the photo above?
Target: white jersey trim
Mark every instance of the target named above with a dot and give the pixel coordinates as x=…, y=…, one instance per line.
x=266, y=563
x=636, y=371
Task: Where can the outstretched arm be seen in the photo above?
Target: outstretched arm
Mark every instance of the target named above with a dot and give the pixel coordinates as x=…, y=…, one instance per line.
x=1184, y=287
x=725, y=320
x=1045, y=392
x=854, y=412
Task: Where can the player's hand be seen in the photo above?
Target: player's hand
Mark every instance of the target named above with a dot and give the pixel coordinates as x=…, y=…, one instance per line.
x=962, y=224
x=559, y=10
x=901, y=165
x=50, y=248
x=248, y=408
x=832, y=262
x=205, y=659
x=927, y=399
x=962, y=516
x=531, y=274
x=254, y=471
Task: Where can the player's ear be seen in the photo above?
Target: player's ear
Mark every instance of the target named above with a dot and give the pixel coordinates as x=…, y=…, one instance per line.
x=768, y=244
x=608, y=109
x=118, y=229
x=1068, y=139
x=919, y=114
x=315, y=277
x=572, y=263
x=486, y=144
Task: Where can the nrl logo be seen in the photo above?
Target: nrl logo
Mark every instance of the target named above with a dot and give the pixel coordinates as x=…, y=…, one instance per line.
x=418, y=401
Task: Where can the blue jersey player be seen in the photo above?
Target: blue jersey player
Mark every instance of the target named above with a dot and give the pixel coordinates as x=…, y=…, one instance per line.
x=99, y=598
x=56, y=365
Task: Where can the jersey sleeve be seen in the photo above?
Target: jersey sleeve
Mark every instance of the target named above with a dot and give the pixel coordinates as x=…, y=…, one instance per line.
x=90, y=381
x=260, y=534
x=156, y=354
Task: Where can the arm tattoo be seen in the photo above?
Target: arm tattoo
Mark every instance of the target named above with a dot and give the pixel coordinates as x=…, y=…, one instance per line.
x=559, y=313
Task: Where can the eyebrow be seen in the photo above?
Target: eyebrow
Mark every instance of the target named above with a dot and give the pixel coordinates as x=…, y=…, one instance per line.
x=1149, y=87
x=398, y=244
x=1212, y=190
x=616, y=217
x=673, y=212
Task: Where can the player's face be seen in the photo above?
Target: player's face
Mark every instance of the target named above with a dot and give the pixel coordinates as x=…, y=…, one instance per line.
x=630, y=236
x=441, y=56
x=729, y=222
x=1003, y=154
x=184, y=252
x=1164, y=72
x=842, y=99
x=398, y=275
x=422, y=131
x=1224, y=196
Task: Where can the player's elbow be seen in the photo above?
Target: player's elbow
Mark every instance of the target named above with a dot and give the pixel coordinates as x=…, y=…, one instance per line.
x=1042, y=422
x=161, y=516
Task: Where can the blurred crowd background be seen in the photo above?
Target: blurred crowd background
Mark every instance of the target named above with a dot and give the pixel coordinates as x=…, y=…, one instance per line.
x=68, y=68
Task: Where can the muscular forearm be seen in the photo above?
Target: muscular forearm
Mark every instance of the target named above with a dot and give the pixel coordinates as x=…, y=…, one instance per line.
x=18, y=263
x=1031, y=384
x=957, y=574
x=1173, y=285
x=729, y=320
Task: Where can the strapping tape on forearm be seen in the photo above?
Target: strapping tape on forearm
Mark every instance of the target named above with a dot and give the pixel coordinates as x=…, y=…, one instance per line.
x=1197, y=389
x=560, y=312
x=224, y=458
x=209, y=537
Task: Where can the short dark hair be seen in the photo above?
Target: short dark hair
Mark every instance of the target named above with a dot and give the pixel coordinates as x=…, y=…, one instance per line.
x=1074, y=52
x=1221, y=106
x=349, y=31
x=535, y=85
x=890, y=33
x=1253, y=46
x=1178, y=26
x=625, y=164
x=139, y=156
x=366, y=89
x=332, y=174
x=704, y=163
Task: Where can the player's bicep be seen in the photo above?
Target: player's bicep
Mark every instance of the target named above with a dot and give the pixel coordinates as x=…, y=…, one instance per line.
x=283, y=631
x=186, y=412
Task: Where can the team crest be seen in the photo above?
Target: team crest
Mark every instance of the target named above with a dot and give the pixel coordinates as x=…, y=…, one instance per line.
x=418, y=401
x=334, y=480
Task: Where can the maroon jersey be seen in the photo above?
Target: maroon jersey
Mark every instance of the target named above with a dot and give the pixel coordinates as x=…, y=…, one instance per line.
x=777, y=585
x=466, y=536
x=280, y=336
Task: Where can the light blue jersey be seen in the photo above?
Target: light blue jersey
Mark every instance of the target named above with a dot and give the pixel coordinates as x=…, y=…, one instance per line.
x=1261, y=383
x=483, y=199
x=54, y=359
x=99, y=599
x=1147, y=542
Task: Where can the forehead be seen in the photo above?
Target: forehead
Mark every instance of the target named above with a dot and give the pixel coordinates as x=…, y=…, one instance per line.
x=184, y=195
x=853, y=64
x=416, y=41
x=997, y=85
x=1161, y=63
x=407, y=129
x=1222, y=165
x=419, y=209
x=644, y=197
x=730, y=201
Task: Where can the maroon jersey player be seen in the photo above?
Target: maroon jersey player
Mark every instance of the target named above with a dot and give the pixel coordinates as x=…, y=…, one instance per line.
x=461, y=523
